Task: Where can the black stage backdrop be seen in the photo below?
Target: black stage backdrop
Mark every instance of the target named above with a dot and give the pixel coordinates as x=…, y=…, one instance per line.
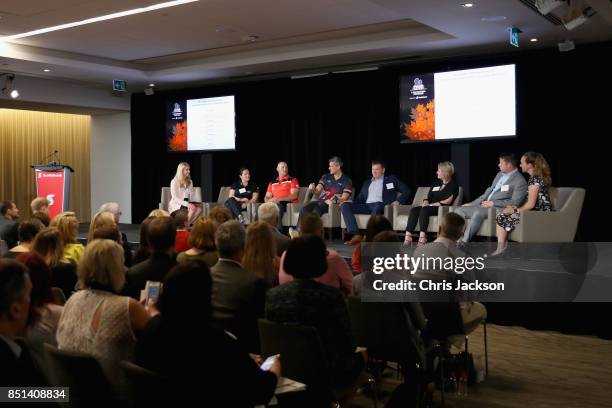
x=563, y=111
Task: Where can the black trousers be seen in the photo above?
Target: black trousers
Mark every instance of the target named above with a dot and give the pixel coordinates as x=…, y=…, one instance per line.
x=234, y=206
x=420, y=214
x=282, y=209
x=320, y=207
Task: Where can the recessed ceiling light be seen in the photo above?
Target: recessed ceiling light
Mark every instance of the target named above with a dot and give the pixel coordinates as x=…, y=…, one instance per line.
x=151, y=85
x=46, y=70
x=534, y=40
x=152, y=7
x=467, y=5
x=493, y=19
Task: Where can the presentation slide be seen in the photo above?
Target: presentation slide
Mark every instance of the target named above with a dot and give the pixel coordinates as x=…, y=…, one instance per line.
x=454, y=105
x=211, y=124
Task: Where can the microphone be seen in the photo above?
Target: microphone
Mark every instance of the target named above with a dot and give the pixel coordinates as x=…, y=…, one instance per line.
x=46, y=157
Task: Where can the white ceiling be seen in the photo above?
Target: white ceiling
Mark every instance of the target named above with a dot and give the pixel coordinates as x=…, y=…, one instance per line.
x=203, y=41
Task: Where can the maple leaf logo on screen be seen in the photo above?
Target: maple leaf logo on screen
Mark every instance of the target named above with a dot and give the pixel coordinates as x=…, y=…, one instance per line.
x=51, y=199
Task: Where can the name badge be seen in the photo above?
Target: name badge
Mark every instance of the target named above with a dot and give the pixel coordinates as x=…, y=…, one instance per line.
x=437, y=188
x=505, y=188
x=242, y=190
x=390, y=186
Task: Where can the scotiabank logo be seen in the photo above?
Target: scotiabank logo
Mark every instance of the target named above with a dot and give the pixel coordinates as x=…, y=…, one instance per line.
x=47, y=175
x=51, y=199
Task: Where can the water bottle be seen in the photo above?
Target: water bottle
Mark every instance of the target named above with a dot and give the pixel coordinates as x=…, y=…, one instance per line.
x=463, y=384
x=453, y=383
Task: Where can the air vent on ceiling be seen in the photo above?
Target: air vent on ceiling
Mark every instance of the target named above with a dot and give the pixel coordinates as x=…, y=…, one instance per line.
x=550, y=17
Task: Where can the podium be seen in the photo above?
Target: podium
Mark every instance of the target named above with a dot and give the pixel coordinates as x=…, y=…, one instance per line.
x=53, y=183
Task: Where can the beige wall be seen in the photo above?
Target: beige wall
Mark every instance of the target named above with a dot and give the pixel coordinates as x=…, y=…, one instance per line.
x=26, y=137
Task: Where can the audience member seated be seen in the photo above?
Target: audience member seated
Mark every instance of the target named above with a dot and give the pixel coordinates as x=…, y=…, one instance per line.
x=17, y=365
x=99, y=220
x=442, y=192
x=182, y=231
x=144, y=250
x=538, y=198
x=96, y=320
x=376, y=224
x=9, y=213
x=238, y=295
x=508, y=189
x=307, y=302
x=40, y=210
x=159, y=213
x=49, y=245
x=202, y=358
x=472, y=313
x=220, y=215
x=114, y=209
x=388, y=236
x=161, y=236
x=260, y=253
x=68, y=226
x=242, y=193
x=338, y=273
x=26, y=231
x=269, y=213
x=44, y=312
x=202, y=243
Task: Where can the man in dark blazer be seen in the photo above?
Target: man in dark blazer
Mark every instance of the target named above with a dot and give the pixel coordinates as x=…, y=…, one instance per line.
x=375, y=194
x=17, y=365
x=8, y=223
x=238, y=295
x=508, y=188
x=161, y=236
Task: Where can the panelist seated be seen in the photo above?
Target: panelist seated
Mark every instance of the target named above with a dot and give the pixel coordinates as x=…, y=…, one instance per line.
x=334, y=187
x=376, y=193
x=282, y=190
x=507, y=189
x=182, y=192
x=442, y=192
x=242, y=193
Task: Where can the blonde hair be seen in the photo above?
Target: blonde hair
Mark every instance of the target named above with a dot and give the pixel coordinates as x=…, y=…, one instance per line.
x=183, y=181
x=540, y=166
x=48, y=244
x=100, y=219
x=101, y=266
x=447, y=167
x=67, y=224
x=260, y=251
x=158, y=213
x=202, y=235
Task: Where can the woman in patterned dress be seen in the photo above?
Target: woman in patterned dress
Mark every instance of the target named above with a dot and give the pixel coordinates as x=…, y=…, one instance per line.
x=538, y=198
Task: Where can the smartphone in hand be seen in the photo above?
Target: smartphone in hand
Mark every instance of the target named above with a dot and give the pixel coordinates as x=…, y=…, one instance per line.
x=269, y=361
x=152, y=290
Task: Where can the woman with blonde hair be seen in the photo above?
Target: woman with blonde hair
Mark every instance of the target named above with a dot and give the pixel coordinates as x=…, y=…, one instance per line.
x=99, y=220
x=49, y=245
x=98, y=321
x=442, y=192
x=181, y=191
x=260, y=253
x=202, y=241
x=68, y=226
x=538, y=198
x=158, y=212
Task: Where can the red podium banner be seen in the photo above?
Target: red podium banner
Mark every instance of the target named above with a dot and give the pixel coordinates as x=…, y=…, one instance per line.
x=54, y=185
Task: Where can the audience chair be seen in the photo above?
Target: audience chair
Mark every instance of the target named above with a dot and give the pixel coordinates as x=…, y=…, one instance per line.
x=302, y=358
x=146, y=388
x=82, y=373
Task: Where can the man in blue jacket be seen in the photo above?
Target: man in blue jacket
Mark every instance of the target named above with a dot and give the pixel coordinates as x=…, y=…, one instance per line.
x=375, y=194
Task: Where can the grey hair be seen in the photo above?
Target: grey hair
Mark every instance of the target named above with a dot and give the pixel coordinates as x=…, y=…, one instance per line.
x=230, y=238
x=109, y=207
x=268, y=212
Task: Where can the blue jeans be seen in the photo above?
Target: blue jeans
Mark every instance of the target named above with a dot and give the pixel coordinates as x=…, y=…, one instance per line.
x=349, y=209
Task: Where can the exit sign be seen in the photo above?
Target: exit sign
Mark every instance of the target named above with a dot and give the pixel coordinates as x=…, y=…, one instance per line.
x=514, y=36
x=119, y=85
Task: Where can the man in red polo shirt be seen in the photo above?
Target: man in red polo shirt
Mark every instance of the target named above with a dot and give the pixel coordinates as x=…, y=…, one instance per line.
x=282, y=190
